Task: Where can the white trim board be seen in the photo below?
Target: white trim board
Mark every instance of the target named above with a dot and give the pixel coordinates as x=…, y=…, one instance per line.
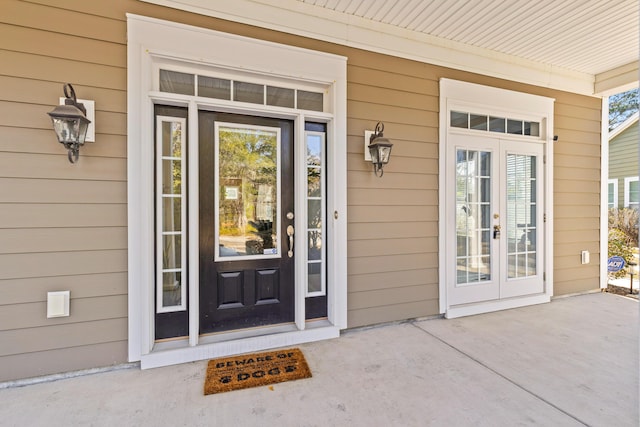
x=153, y=42
x=298, y=18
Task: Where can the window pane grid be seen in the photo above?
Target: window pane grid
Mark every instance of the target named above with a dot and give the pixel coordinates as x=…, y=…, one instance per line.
x=316, y=208
x=240, y=91
x=522, y=228
x=170, y=215
x=473, y=208
x=480, y=122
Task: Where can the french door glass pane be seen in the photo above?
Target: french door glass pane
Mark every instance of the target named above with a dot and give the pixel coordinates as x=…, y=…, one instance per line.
x=248, y=177
x=522, y=229
x=473, y=210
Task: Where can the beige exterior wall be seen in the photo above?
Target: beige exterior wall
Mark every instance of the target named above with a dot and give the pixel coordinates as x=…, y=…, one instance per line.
x=623, y=158
x=63, y=226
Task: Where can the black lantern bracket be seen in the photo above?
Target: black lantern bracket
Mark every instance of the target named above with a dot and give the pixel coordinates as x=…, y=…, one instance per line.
x=73, y=122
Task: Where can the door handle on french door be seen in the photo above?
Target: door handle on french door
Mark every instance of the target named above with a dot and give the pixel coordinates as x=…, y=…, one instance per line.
x=290, y=232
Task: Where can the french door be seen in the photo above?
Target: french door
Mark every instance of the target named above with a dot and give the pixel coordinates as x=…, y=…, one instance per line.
x=496, y=225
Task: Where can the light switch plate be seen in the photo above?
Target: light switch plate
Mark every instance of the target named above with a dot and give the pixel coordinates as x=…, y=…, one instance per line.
x=58, y=304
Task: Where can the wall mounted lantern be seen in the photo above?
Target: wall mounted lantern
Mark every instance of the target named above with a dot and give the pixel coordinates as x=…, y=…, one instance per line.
x=380, y=149
x=70, y=123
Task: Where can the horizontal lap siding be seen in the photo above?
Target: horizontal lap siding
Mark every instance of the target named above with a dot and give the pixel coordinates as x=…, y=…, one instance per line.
x=47, y=205
x=392, y=228
x=577, y=193
x=62, y=226
x=623, y=158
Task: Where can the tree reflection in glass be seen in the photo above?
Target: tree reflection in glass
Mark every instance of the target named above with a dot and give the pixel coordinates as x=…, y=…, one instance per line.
x=248, y=184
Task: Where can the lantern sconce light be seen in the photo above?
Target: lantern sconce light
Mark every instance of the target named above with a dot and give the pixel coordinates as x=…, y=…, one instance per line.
x=377, y=149
x=71, y=124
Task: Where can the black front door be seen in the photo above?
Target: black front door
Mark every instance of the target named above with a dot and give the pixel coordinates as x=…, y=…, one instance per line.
x=246, y=221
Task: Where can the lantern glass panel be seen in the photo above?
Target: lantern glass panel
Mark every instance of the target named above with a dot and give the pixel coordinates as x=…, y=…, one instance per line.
x=373, y=150
x=70, y=130
x=385, y=153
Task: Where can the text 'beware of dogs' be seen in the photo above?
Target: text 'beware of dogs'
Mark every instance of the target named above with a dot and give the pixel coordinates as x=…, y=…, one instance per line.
x=254, y=370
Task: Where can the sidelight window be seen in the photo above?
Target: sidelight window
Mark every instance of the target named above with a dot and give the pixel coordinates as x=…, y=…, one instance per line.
x=316, y=208
x=171, y=219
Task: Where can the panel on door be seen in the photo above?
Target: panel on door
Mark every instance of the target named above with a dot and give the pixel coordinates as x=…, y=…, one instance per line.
x=245, y=196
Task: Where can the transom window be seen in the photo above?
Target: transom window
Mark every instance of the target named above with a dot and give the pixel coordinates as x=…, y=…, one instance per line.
x=240, y=91
x=483, y=122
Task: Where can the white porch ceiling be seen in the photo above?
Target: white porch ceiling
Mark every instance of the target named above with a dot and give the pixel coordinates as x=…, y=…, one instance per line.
x=588, y=36
x=583, y=46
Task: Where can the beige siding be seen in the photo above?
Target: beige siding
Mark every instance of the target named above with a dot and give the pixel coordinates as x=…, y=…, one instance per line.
x=63, y=226
x=577, y=193
x=623, y=158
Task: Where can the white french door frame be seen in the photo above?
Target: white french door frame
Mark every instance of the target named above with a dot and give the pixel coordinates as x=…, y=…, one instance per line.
x=469, y=97
x=152, y=42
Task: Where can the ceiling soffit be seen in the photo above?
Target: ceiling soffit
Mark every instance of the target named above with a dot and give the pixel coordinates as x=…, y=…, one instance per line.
x=582, y=46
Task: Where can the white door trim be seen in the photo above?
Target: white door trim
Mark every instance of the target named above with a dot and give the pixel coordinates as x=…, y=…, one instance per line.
x=152, y=40
x=464, y=96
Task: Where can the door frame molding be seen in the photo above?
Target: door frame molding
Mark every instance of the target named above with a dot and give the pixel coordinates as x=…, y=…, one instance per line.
x=151, y=42
x=465, y=96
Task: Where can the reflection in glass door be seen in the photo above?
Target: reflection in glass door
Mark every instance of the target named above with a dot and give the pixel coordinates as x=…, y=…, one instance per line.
x=522, y=211
x=473, y=216
x=246, y=197
x=521, y=221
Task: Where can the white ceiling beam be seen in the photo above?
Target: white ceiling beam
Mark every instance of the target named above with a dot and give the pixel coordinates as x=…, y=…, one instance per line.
x=617, y=80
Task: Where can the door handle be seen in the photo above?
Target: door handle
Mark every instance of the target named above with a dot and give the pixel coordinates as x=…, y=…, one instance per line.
x=496, y=231
x=290, y=232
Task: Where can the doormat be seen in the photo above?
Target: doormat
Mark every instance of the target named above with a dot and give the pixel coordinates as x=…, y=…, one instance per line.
x=253, y=370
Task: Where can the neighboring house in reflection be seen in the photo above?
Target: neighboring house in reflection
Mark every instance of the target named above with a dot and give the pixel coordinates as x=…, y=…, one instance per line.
x=623, y=165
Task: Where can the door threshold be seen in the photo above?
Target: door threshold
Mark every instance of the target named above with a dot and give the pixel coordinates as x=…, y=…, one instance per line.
x=236, y=334
x=179, y=351
x=496, y=305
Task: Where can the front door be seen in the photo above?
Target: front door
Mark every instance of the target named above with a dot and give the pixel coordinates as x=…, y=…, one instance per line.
x=246, y=216
x=498, y=223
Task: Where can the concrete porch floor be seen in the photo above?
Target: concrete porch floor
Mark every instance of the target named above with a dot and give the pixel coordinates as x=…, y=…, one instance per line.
x=572, y=362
